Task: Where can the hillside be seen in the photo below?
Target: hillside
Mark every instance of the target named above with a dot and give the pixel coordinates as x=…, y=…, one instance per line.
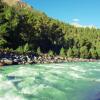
x=25, y=29
x=11, y=2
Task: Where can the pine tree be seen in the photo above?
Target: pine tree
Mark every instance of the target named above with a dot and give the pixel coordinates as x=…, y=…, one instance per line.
x=50, y=53
x=62, y=52
x=93, y=53
x=70, y=53
x=75, y=52
x=38, y=51
x=84, y=52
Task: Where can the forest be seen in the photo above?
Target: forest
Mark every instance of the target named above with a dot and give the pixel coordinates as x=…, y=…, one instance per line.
x=24, y=29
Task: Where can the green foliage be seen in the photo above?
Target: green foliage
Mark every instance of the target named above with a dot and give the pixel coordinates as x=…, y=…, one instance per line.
x=98, y=48
x=2, y=42
x=38, y=51
x=98, y=52
x=23, y=49
x=93, y=53
x=84, y=52
x=70, y=53
x=62, y=52
x=19, y=26
x=8, y=50
x=26, y=47
x=20, y=49
x=50, y=53
x=75, y=52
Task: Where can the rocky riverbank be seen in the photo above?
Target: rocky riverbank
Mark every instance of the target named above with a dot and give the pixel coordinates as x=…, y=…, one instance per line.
x=30, y=58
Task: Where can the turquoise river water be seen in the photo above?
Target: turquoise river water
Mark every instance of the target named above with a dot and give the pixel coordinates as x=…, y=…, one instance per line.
x=66, y=81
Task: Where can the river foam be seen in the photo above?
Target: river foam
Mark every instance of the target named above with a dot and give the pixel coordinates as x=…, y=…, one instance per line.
x=66, y=81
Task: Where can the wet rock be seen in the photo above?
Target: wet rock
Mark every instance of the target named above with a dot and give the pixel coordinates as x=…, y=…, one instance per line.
x=15, y=58
x=1, y=64
x=8, y=62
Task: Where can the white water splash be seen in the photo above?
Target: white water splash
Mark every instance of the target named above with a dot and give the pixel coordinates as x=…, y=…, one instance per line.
x=50, y=81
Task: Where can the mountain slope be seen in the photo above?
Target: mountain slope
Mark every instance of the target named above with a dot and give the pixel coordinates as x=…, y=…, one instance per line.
x=11, y=2
x=39, y=33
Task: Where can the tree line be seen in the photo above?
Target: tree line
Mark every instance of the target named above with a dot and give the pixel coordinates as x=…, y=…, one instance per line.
x=25, y=29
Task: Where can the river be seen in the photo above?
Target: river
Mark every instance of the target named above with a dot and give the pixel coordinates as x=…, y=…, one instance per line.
x=66, y=81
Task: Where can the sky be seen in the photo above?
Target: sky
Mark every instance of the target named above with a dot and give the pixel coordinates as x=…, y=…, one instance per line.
x=84, y=12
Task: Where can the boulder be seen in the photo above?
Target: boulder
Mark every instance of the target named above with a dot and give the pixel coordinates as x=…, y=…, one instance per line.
x=8, y=62
x=1, y=64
